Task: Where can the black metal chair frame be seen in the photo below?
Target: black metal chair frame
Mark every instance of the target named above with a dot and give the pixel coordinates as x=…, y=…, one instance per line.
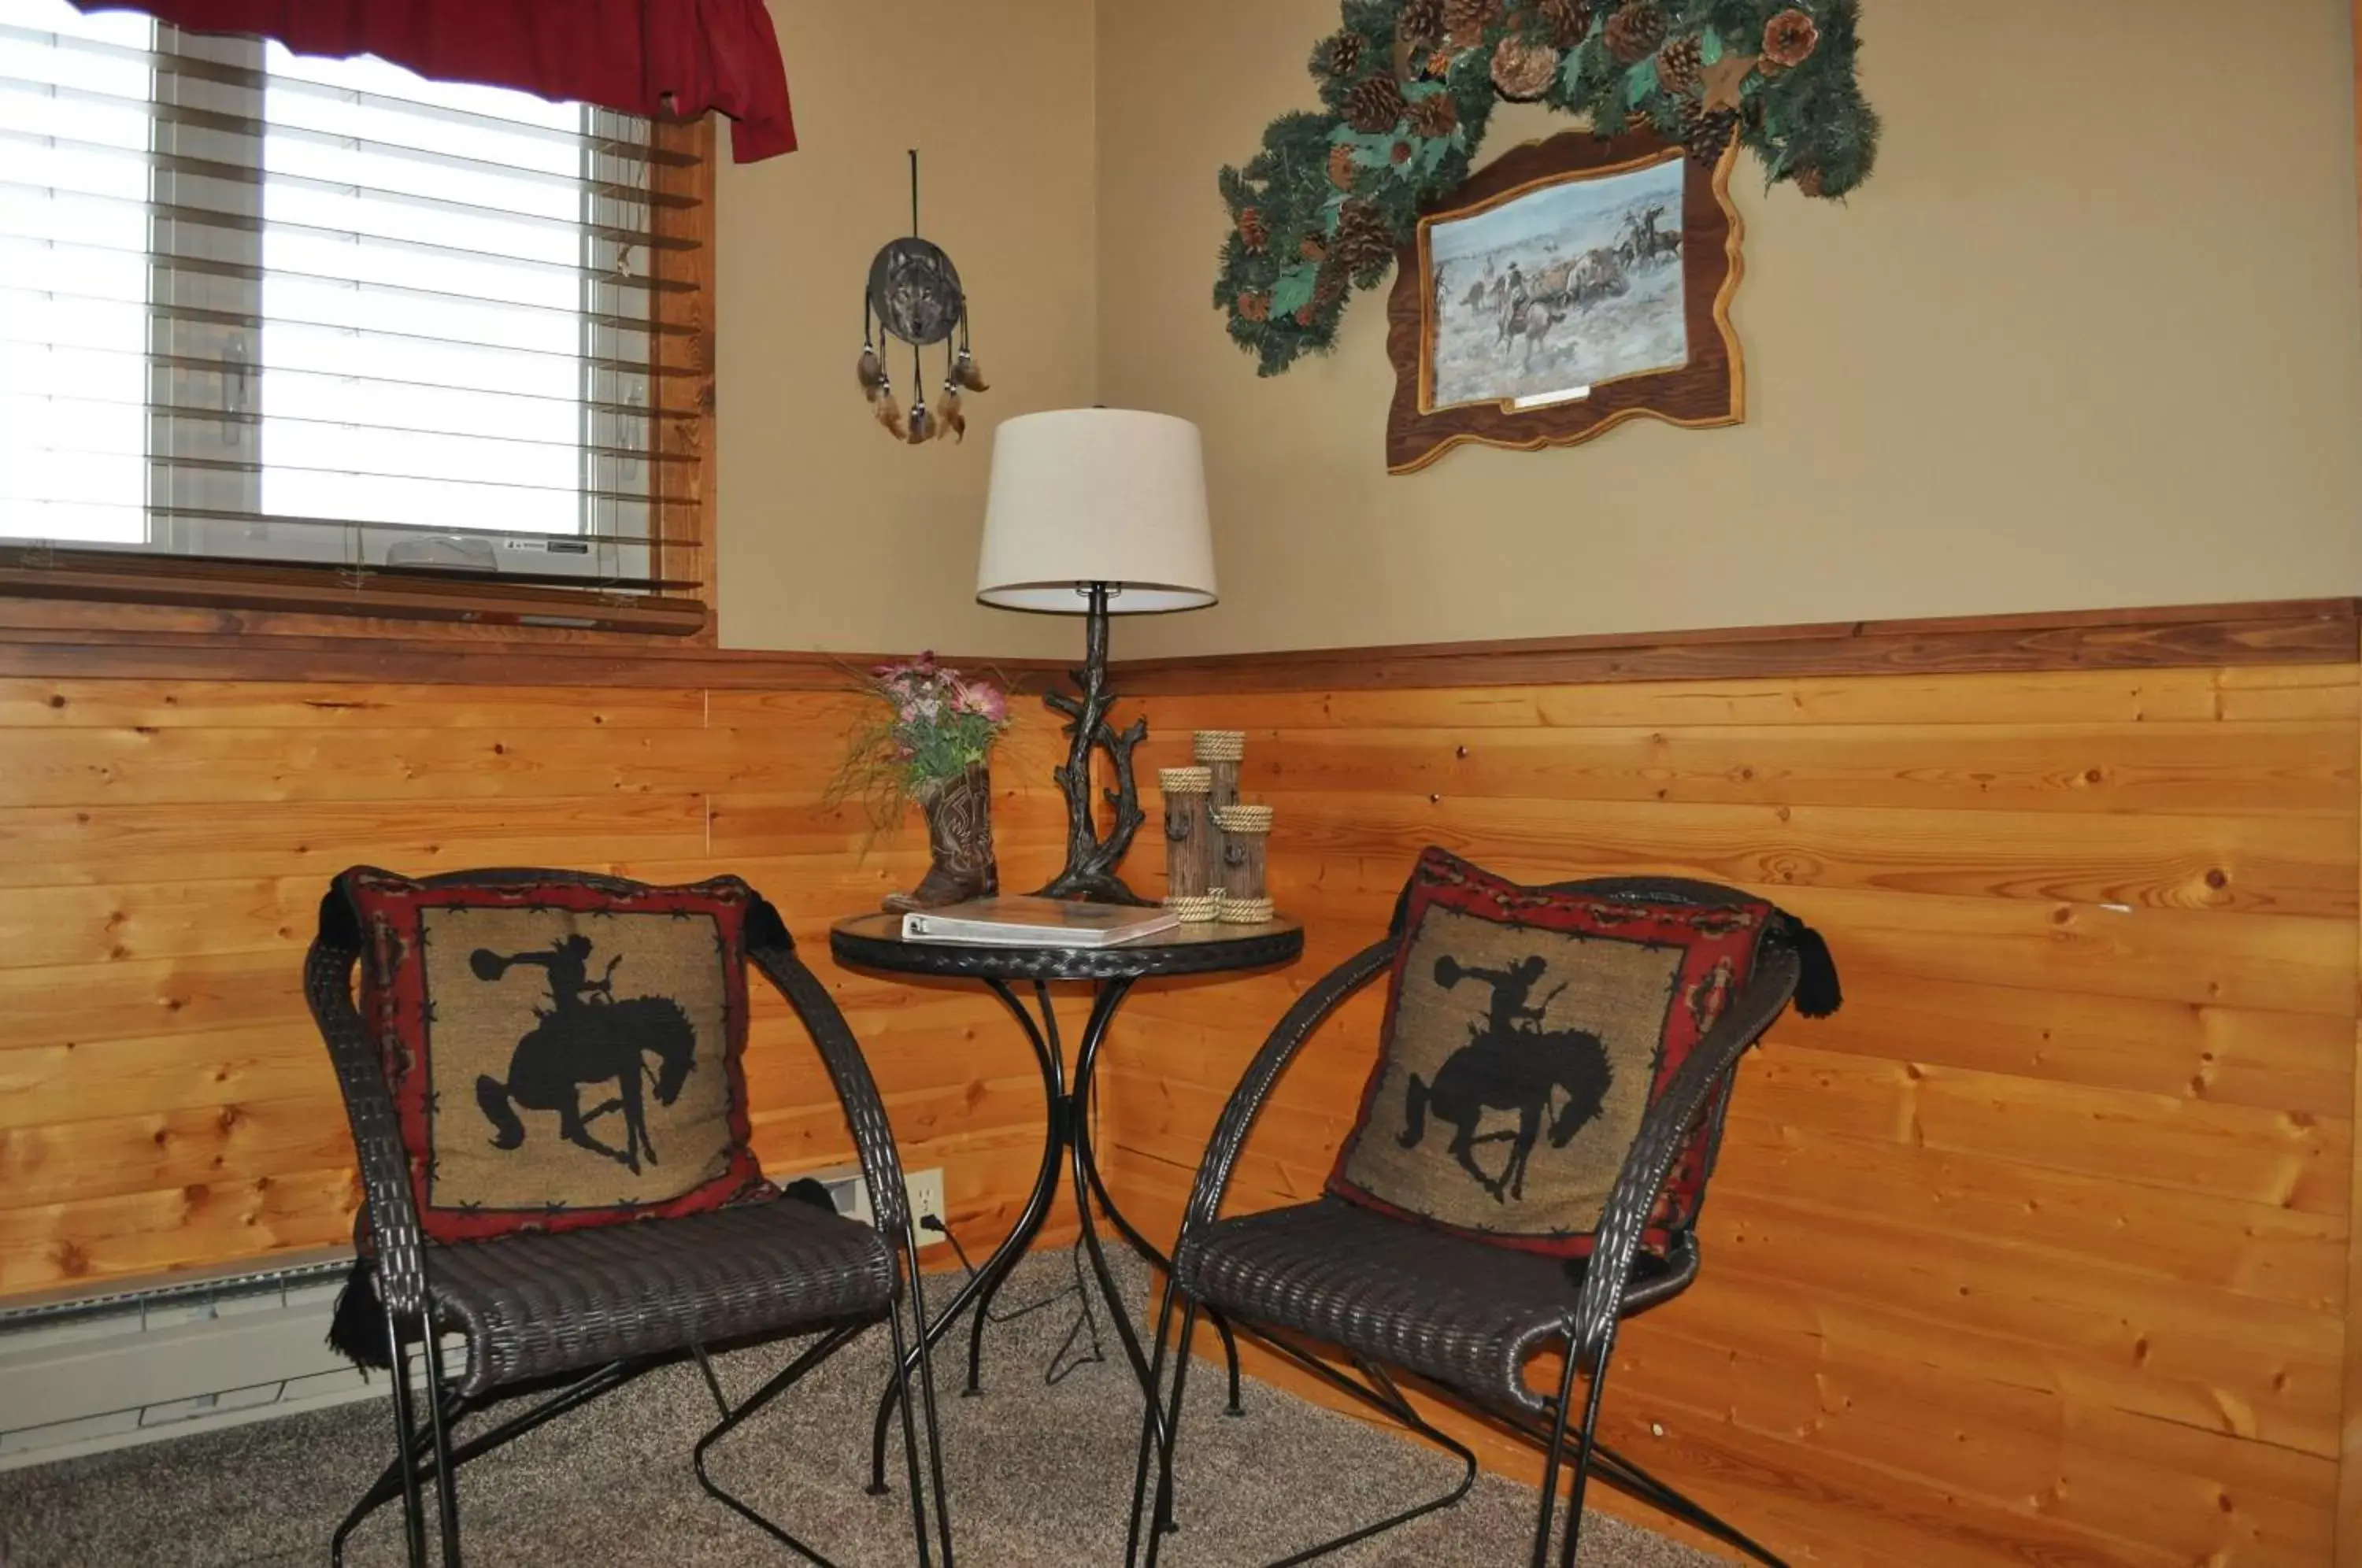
x=1614, y=1282
x=425, y=1452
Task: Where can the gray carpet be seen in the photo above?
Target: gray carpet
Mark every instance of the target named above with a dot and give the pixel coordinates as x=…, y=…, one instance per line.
x=1040, y=1477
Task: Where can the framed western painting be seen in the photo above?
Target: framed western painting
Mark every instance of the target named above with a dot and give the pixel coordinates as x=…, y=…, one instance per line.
x=1572, y=284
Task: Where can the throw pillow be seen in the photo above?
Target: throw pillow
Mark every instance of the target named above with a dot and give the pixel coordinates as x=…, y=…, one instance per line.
x=560, y=1053
x=1527, y=1032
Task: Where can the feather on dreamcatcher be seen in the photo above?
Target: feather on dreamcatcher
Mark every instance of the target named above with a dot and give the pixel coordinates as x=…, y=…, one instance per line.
x=914, y=294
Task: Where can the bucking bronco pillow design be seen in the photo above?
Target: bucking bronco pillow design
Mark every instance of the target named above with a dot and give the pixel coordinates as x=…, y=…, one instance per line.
x=560, y=1054
x=1526, y=1034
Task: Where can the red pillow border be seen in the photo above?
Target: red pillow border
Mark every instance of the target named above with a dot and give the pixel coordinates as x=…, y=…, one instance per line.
x=392, y=912
x=1710, y=934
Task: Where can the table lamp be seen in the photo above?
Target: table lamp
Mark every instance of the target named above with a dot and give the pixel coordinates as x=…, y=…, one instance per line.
x=1097, y=512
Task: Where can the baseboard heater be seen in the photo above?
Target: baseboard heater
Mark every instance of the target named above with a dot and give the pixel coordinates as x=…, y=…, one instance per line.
x=82, y=1374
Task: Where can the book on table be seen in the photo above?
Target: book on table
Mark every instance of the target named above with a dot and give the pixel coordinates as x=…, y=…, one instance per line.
x=1025, y=921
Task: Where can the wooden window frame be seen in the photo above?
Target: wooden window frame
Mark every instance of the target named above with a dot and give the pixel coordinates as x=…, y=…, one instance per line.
x=45, y=587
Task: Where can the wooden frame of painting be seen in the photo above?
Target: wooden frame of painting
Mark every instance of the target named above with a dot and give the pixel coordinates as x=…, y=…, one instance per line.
x=1548, y=299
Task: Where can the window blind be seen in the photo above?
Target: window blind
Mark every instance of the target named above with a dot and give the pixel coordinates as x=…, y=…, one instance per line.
x=263, y=308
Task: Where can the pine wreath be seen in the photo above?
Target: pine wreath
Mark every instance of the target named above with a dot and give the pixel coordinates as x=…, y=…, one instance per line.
x=1382, y=149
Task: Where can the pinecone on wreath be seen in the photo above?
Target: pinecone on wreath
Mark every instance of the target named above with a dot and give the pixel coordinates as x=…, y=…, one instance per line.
x=1342, y=167
x=1678, y=64
x=1421, y=22
x=1635, y=31
x=1522, y=71
x=1254, y=306
x=1340, y=59
x=1436, y=114
x=1364, y=242
x=1564, y=22
x=1707, y=132
x=1464, y=21
x=1375, y=105
x=1253, y=233
x=1789, y=39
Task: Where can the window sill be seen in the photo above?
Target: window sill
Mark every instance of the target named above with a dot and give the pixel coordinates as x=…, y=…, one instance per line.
x=377, y=595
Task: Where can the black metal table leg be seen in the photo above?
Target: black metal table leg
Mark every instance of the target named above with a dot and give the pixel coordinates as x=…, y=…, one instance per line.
x=1089, y=1184
x=1147, y=1249
x=1060, y=1109
x=979, y=1288
x=1067, y=1139
x=1110, y=996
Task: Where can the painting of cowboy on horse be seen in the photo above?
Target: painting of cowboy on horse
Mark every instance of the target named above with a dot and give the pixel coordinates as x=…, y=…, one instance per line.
x=1561, y=287
x=1512, y=1063
x=585, y=1037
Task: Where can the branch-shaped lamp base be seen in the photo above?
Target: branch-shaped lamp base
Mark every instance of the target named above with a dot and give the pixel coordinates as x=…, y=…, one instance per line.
x=1091, y=860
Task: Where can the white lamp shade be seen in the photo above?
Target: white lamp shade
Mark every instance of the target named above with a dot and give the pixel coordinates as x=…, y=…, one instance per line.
x=1089, y=495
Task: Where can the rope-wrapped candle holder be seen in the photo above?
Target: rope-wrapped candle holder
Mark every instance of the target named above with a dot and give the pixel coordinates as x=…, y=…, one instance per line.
x=1246, y=838
x=1191, y=854
x=1218, y=752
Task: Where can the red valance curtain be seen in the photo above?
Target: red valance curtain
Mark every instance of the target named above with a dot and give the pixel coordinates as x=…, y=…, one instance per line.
x=645, y=57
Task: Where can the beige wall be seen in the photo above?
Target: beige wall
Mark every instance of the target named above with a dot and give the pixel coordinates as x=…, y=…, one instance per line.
x=2089, y=338
x=830, y=536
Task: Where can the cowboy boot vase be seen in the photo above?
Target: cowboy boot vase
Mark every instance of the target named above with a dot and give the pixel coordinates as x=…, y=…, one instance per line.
x=959, y=837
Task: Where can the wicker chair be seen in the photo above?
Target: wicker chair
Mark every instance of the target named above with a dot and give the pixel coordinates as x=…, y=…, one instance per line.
x=590, y=1310
x=1456, y=1314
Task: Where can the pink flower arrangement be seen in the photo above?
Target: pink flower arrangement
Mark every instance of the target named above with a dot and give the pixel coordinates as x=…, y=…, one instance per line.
x=935, y=724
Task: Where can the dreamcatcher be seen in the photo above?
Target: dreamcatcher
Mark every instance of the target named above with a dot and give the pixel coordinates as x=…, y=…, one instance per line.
x=914, y=294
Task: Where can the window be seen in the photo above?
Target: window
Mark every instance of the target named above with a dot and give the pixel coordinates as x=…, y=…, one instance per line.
x=329, y=328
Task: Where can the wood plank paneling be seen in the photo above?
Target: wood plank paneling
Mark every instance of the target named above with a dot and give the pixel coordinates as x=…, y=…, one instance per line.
x=2287, y=767
x=2040, y=1250
x=164, y=1100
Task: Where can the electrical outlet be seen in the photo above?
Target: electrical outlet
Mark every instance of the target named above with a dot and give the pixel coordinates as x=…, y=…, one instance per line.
x=926, y=1189
x=850, y=1192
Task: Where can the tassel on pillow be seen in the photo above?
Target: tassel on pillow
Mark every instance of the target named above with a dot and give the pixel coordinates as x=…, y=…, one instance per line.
x=357, y=1329
x=804, y=1189
x=1818, y=994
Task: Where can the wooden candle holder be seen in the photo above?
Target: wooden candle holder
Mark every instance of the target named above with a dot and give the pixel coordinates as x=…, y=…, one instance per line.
x=1191, y=852
x=1246, y=839
x=1220, y=752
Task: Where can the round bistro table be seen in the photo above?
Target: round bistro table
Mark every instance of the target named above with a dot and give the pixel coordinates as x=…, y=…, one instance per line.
x=876, y=943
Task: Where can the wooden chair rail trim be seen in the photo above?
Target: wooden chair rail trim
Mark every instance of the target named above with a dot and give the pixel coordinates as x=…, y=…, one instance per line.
x=2305, y=631
x=312, y=590
x=524, y=660
x=2302, y=631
